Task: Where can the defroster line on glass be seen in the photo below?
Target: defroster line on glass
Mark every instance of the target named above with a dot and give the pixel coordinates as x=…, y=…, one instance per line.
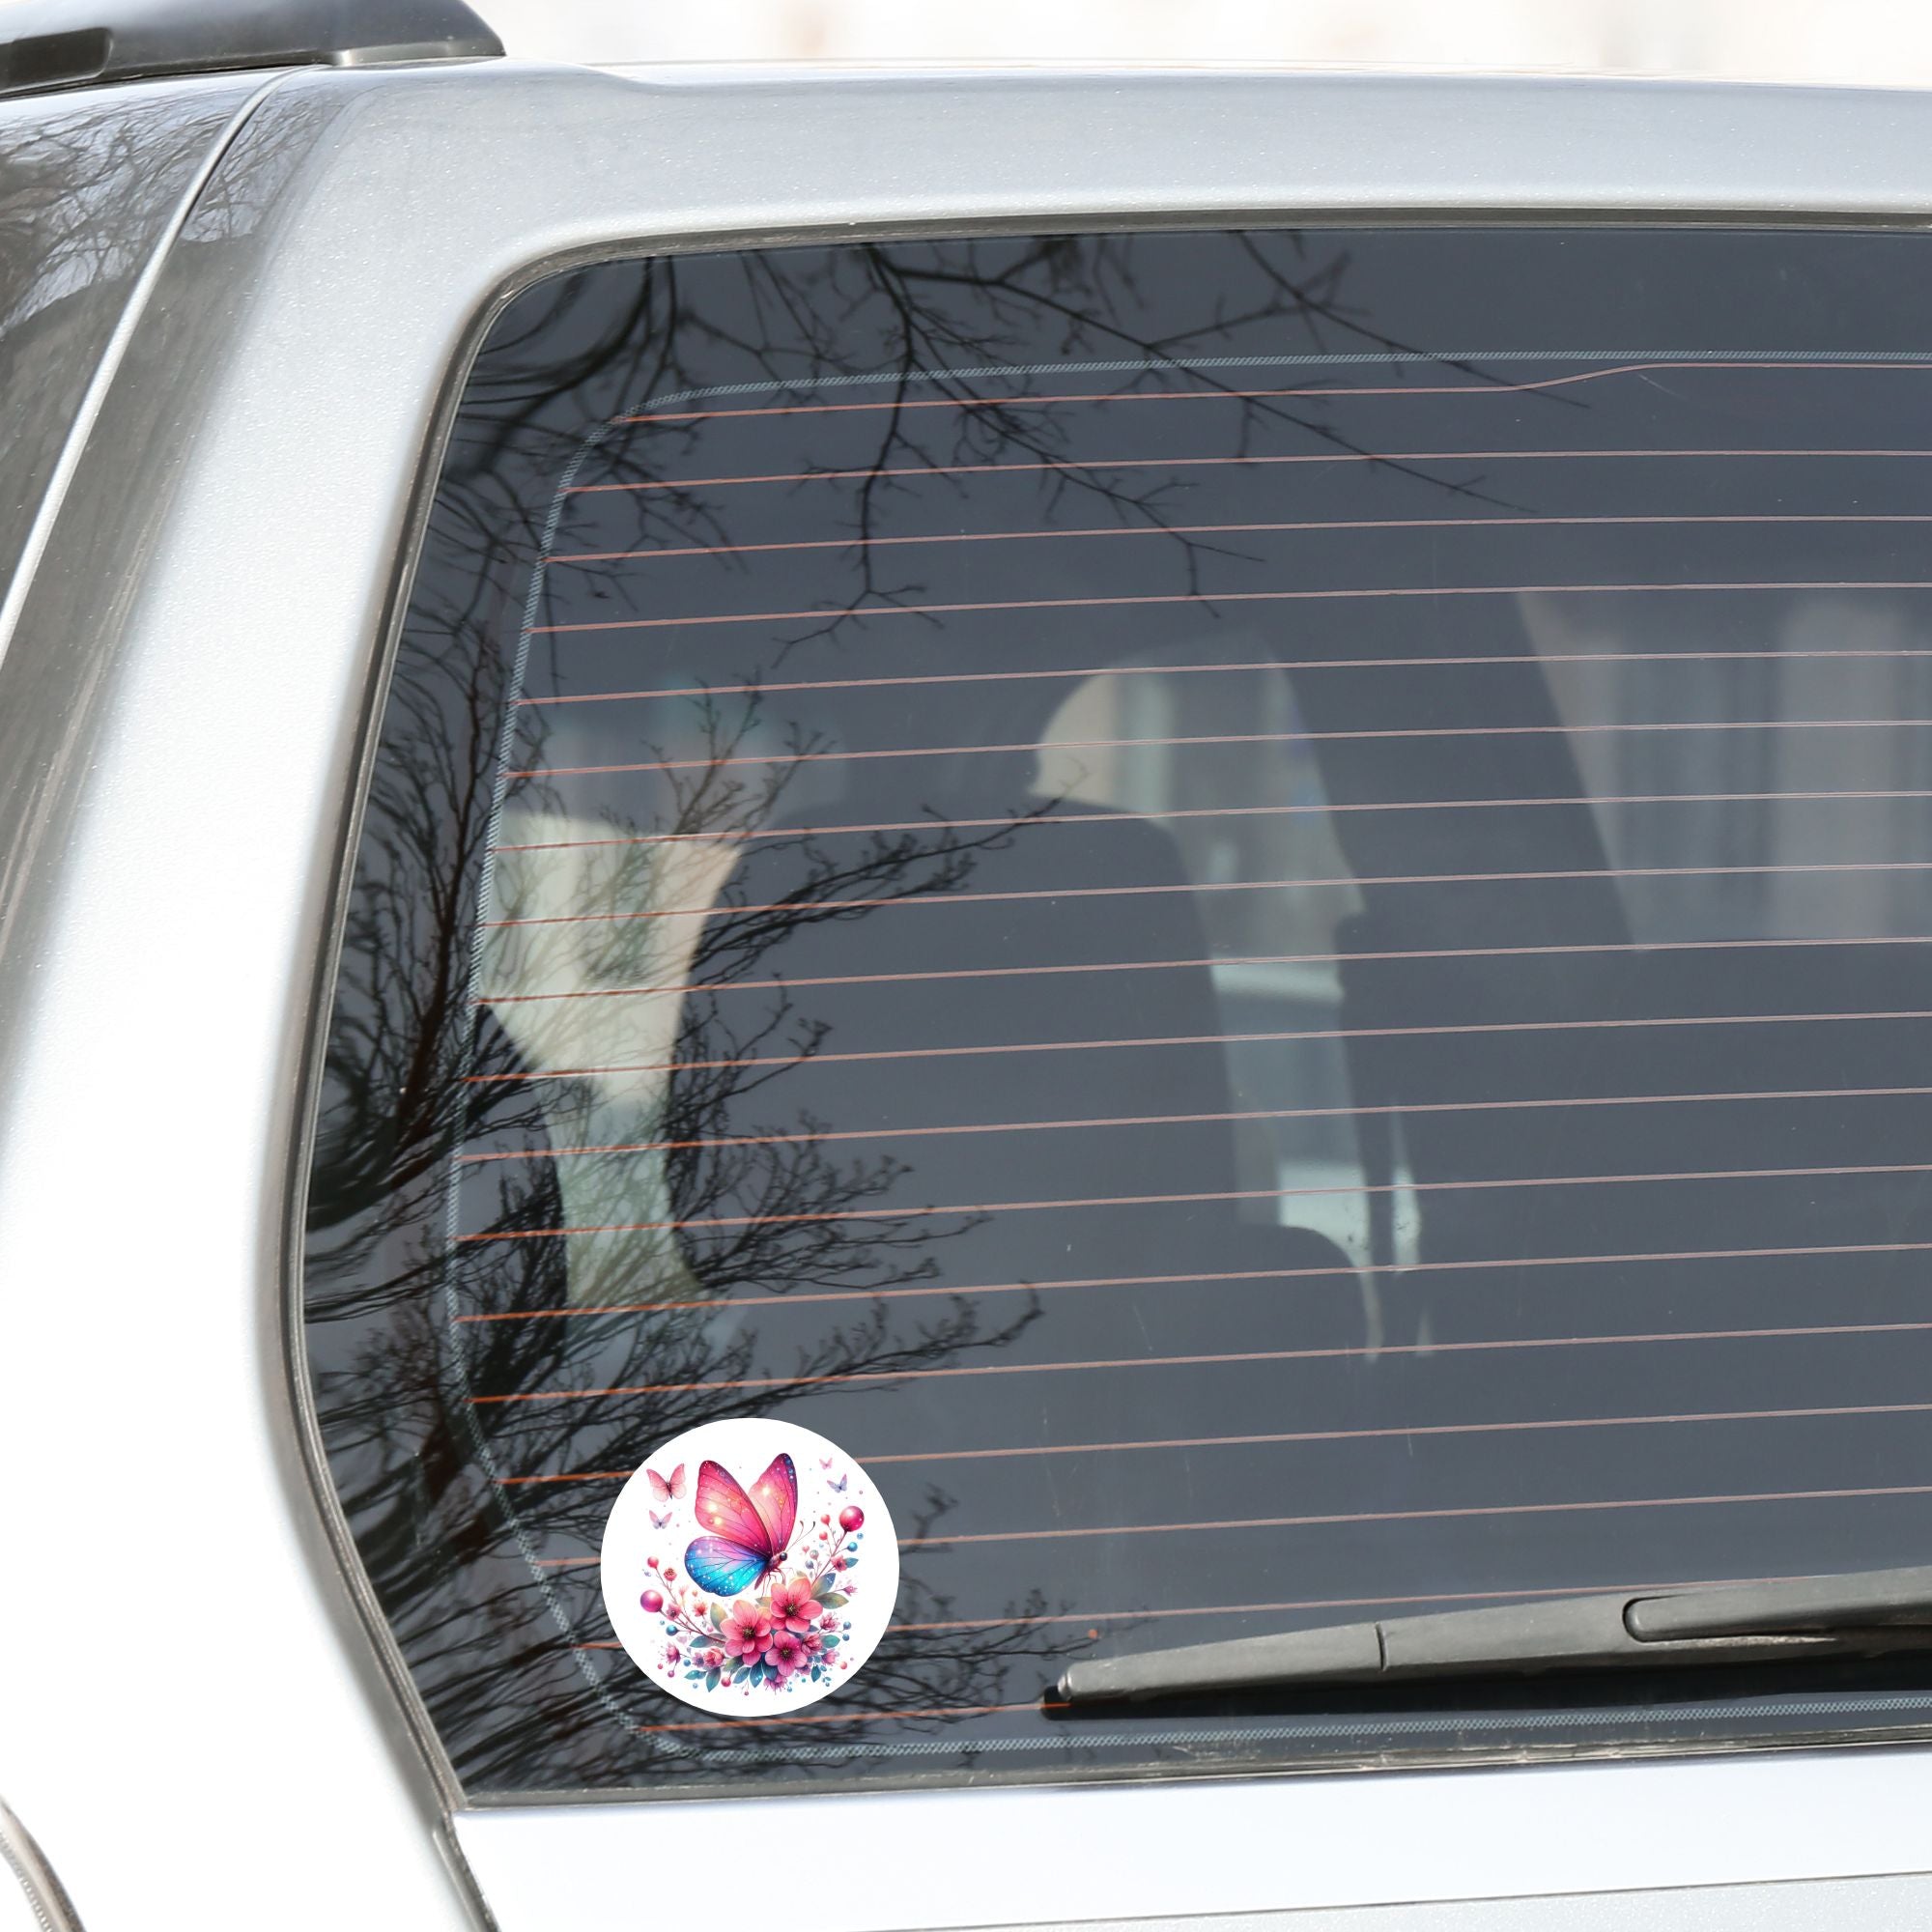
x=1349, y=1112
x=1325, y=392
x=1312, y=1604
x=1508, y=1184
x=1637, y=947
x=1201, y=598
x=1152, y=1615
x=1283, y=527
x=1205, y=1278
x=727, y=909
x=1454, y=1513
x=1293, y=665
x=1205, y=1039
x=1262, y=1439
x=1465, y=361
x=1025, y=820
x=1358, y=1351
x=1034, y=748
x=1108, y=462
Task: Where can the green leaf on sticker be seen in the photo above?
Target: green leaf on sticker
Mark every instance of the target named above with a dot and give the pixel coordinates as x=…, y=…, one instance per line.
x=833, y=1601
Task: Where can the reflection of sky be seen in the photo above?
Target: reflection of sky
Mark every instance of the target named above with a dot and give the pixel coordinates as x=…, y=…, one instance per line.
x=1884, y=42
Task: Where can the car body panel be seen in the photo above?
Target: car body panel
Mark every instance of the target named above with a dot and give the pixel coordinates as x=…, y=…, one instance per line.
x=185, y=711
x=89, y=187
x=1327, y=1843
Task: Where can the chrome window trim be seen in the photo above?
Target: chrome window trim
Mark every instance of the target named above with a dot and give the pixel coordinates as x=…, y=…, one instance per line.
x=40, y=1885
x=254, y=526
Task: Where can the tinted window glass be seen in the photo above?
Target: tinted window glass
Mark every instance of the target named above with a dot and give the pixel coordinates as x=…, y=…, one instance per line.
x=1253, y=908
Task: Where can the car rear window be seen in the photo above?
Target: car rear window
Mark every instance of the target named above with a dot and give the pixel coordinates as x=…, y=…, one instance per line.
x=1251, y=908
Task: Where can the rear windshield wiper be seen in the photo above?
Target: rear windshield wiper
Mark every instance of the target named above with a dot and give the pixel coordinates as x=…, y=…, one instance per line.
x=1866, y=1612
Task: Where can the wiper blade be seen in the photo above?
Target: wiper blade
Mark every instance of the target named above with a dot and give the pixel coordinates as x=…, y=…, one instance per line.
x=1861, y=1614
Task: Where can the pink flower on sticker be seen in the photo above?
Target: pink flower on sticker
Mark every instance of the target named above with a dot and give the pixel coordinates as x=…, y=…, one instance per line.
x=787, y=1653
x=829, y=1621
x=747, y=1632
x=792, y=1605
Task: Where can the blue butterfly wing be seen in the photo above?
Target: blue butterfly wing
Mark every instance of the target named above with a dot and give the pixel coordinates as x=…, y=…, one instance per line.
x=721, y=1567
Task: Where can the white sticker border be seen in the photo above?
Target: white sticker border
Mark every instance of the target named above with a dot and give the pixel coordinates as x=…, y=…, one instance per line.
x=770, y=1649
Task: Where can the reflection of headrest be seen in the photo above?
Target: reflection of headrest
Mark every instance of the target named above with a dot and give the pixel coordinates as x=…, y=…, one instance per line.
x=843, y=977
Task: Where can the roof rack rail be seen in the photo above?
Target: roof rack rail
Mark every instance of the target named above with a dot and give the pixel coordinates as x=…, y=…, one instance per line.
x=57, y=43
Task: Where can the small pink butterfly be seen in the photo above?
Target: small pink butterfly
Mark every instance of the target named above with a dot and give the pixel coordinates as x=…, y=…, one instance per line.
x=665, y=1491
x=660, y=1522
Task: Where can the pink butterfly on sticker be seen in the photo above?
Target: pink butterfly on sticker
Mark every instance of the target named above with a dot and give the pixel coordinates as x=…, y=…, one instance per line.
x=665, y=1490
x=755, y=1528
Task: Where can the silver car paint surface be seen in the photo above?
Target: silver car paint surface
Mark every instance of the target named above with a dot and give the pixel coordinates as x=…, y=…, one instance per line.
x=88, y=188
x=195, y=1721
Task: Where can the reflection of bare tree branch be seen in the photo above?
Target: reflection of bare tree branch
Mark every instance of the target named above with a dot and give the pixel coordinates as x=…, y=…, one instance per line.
x=63, y=178
x=1065, y=283
x=395, y=1385
x=609, y=1268
x=85, y=187
x=655, y=343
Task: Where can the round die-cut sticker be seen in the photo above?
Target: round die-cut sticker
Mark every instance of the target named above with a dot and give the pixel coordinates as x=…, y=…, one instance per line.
x=750, y=1567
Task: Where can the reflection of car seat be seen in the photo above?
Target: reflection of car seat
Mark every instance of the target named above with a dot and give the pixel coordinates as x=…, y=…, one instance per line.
x=1397, y=1075
x=863, y=982
x=1421, y=1090
x=1727, y=1139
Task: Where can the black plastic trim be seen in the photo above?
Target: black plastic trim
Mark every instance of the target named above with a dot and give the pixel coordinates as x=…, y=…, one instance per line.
x=60, y=43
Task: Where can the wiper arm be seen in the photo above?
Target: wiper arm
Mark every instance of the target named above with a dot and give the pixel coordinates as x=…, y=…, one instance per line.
x=1868, y=1612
